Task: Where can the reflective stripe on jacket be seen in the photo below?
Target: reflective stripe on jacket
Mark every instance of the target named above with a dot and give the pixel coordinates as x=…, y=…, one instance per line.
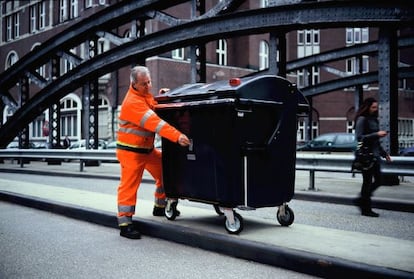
x=138, y=123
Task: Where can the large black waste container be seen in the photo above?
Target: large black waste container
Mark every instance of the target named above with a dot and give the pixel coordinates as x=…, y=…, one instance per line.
x=243, y=149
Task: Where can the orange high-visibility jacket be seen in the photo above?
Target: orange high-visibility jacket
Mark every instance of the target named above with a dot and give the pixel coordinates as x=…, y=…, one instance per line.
x=138, y=123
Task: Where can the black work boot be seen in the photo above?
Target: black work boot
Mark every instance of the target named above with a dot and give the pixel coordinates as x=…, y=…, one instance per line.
x=130, y=232
x=369, y=213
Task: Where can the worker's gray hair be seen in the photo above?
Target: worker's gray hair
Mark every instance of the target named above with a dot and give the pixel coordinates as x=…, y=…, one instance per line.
x=138, y=71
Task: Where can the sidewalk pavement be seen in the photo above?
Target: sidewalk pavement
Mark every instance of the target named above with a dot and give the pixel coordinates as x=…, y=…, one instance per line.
x=336, y=254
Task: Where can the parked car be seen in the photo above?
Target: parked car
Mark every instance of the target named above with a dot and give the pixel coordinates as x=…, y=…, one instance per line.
x=82, y=144
x=111, y=145
x=409, y=151
x=332, y=142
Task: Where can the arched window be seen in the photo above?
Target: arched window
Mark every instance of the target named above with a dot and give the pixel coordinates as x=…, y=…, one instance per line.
x=12, y=58
x=70, y=115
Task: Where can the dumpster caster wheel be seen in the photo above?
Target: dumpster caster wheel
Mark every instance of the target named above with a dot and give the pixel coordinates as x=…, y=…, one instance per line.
x=218, y=210
x=285, y=215
x=237, y=226
x=171, y=211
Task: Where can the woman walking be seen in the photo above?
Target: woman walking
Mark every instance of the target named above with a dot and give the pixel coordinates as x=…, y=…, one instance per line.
x=367, y=131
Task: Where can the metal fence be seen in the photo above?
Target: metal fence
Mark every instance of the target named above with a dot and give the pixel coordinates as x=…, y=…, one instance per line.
x=400, y=166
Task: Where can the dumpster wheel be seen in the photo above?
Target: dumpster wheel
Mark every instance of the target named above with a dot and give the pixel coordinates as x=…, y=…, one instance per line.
x=171, y=211
x=237, y=226
x=285, y=215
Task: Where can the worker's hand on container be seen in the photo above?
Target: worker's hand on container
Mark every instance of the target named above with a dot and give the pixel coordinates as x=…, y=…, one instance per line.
x=183, y=140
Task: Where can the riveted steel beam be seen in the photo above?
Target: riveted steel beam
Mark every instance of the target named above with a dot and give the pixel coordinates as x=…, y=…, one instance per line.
x=199, y=31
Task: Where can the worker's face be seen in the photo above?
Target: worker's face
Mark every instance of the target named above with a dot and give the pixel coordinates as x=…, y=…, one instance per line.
x=373, y=109
x=143, y=84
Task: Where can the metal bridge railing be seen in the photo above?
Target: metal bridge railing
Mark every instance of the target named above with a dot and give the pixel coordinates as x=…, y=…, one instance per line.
x=400, y=166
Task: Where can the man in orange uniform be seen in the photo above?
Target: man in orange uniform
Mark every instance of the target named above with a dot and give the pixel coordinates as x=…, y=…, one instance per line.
x=138, y=124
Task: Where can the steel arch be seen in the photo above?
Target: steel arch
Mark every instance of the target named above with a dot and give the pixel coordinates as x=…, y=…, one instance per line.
x=284, y=18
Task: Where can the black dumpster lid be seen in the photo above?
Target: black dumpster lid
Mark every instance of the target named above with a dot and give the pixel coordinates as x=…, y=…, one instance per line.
x=265, y=87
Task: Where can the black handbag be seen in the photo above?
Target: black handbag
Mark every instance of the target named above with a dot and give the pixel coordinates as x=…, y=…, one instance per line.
x=364, y=158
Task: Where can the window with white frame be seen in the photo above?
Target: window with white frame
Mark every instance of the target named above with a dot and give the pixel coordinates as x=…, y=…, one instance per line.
x=11, y=59
x=350, y=127
x=74, y=9
x=36, y=127
x=69, y=109
x=9, y=29
x=301, y=131
x=103, y=45
x=264, y=3
x=33, y=18
x=221, y=52
x=66, y=65
x=352, y=65
x=103, y=117
x=16, y=25
x=42, y=15
x=88, y=3
x=102, y=2
x=263, y=55
x=357, y=35
x=178, y=54
x=308, y=42
x=63, y=11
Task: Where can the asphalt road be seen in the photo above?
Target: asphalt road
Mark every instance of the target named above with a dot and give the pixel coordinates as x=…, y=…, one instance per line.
x=39, y=244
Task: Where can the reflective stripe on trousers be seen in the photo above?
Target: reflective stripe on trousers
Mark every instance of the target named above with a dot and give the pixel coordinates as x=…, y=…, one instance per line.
x=132, y=168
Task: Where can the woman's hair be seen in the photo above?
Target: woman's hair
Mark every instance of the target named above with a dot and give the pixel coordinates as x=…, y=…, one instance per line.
x=364, y=108
x=138, y=71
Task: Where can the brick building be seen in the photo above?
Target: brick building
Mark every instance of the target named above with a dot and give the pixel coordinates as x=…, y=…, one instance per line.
x=27, y=24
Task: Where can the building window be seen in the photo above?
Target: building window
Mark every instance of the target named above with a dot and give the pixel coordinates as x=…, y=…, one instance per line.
x=33, y=18
x=66, y=65
x=9, y=30
x=178, y=54
x=11, y=59
x=74, y=9
x=350, y=127
x=42, y=15
x=36, y=127
x=88, y=3
x=264, y=3
x=69, y=110
x=221, y=52
x=102, y=2
x=303, y=79
x=357, y=35
x=263, y=55
x=352, y=65
x=63, y=8
x=12, y=26
x=16, y=25
x=308, y=42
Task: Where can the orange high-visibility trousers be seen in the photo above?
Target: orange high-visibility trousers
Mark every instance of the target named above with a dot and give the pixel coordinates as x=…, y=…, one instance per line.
x=132, y=168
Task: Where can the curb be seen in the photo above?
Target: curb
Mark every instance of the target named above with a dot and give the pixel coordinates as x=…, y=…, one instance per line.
x=299, y=261
x=380, y=203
